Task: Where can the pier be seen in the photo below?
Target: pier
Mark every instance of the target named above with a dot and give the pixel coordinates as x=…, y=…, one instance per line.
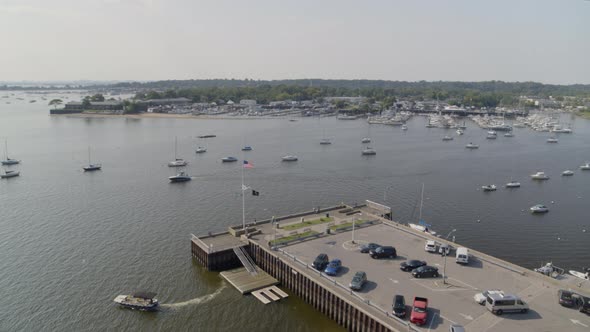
x=285, y=247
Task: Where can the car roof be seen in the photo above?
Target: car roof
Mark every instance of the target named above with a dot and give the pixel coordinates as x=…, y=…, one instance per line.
x=359, y=273
x=336, y=260
x=322, y=255
x=398, y=298
x=415, y=260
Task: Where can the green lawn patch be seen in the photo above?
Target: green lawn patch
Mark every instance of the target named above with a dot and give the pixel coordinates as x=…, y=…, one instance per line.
x=308, y=223
x=349, y=224
x=292, y=238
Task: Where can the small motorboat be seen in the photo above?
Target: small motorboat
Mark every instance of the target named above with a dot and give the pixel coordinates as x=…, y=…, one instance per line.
x=509, y=134
x=178, y=162
x=539, y=208
x=550, y=270
x=92, y=167
x=9, y=174
x=540, y=176
x=581, y=275
x=459, y=132
x=180, y=177
x=404, y=127
x=491, y=136
x=143, y=301
x=490, y=187
x=201, y=149
x=585, y=167
x=552, y=140
x=369, y=151
x=325, y=141
x=472, y=146
x=366, y=140
x=492, y=133
x=513, y=184
x=207, y=136
x=447, y=138
x=247, y=148
x=289, y=158
x=229, y=159
x=567, y=172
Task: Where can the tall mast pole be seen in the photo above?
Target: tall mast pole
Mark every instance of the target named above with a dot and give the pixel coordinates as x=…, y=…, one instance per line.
x=243, y=199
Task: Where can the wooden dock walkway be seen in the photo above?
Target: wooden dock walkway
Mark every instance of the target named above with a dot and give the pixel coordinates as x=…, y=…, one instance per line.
x=270, y=294
x=245, y=282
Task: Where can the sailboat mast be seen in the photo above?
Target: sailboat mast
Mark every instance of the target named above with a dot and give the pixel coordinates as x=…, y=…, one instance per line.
x=175, y=143
x=89, y=156
x=6, y=148
x=421, y=202
x=243, y=201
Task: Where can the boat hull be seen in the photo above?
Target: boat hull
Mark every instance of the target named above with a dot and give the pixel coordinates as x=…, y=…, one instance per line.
x=9, y=175
x=179, y=179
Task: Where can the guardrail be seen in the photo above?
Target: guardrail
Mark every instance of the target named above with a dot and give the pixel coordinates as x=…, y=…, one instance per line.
x=349, y=291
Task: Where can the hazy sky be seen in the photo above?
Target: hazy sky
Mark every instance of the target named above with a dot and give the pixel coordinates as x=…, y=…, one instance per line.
x=467, y=40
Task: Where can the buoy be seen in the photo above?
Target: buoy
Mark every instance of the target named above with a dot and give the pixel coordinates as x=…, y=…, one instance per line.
x=478, y=220
x=552, y=202
x=583, y=231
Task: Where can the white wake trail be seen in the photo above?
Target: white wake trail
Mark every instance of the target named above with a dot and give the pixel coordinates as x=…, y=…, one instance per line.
x=198, y=300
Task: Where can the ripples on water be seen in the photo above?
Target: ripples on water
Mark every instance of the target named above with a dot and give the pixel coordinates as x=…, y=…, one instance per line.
x=70, y=241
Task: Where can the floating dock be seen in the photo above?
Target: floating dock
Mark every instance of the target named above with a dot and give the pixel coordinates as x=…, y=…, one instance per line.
x=284, y=248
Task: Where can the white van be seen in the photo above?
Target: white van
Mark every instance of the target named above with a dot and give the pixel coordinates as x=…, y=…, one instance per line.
x=500, y=303
x=430, y=246
x=462, y=256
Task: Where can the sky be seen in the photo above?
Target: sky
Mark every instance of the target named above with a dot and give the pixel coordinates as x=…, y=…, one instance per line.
x=451, y=40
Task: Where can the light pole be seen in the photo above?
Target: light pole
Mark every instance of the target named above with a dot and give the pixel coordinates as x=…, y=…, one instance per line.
x=445, y=259
x=353, y=222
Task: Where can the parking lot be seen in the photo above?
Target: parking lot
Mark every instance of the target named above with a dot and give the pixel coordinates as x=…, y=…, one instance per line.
x=450, y=302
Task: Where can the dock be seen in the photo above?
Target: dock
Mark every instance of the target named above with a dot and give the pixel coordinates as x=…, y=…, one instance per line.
x=284, y=248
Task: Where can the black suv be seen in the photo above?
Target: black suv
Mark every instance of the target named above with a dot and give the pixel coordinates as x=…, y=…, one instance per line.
x=383, y=252
x=320, y=262
x=411, y=264
x=399, y=306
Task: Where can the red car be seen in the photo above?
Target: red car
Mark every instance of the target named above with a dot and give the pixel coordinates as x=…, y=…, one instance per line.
x=419, y=311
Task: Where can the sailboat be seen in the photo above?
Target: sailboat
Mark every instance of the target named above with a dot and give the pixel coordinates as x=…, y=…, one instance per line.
x=9, y=174
x=368, y=138
x=177, y=162
x=91, y=167
x=8, y=161
x=421, y=226
x=324, y=140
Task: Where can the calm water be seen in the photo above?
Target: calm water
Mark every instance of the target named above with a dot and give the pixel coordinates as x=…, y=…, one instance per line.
x=70, y=242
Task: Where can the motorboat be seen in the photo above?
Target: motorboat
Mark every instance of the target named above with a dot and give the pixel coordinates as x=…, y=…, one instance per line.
x=567, y=172
x=489, y=136
x=404, y=127
x=509, y=134
x=491, y=187
x=9, y=174
x=459, y=132
x=201, y=149
x=144, y=301
x=447, y=138
x=492, y=133
x=472, y=146
x=229, y=159
x=178, y=162
x=247, y=148
x=369, y=151
x=540, y=176
x=550, y=270
x=207, y=136
x=366, y=140
x=552, y=140
x=539, y=208
x=585, y=167
x=581, y=275
x=180, y=177
x=513, y=184
x=325, y=141
x=290, y=158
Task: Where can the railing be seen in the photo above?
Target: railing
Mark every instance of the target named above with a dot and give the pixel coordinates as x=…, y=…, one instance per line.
x=349, y=291
x=246, y=260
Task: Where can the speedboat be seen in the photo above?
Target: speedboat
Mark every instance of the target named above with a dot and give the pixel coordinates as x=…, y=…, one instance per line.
x=229, y=159
x=366, y=140
x=143, y=301
x=325, y=141
x=290, y=158
x=552, y=140
x=585, y=167
x=540, y=176
x=447, y=138
x=180, y=177
x=92, y=167
x=492, y=133
x=201, y=149
x=509, y=134
x=539, y=208
x=513, y=184
x=178, y=162
x=491, y=187
x=9, y=174
x=472, y=146
x=567, y=173
x=491, y=136
x=247, y=148
x=207, y=136
x=404, y=127
x=459, y=132
x=581, y=275
x=369, y=151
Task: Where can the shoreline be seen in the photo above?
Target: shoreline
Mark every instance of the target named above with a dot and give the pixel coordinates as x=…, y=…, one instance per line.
x=164, y=116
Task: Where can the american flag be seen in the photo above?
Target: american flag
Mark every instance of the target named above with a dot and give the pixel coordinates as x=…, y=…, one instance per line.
x=248, y=164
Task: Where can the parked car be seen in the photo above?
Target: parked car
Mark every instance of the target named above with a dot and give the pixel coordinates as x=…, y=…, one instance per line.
x=419, y=313
x=566, y=298
x=411, y=264
x=365, y=248
x=444, y=249
x=320, y=262
x=358, y=281
x=430, y=246
x=481, y=297
x=399, y=306
x=584, y=304
x=456, y=328
x=383, y=252
x=333, y=267
x=425, y=272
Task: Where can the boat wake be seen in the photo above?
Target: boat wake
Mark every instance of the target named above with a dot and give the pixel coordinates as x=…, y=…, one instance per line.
x=195, y=301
